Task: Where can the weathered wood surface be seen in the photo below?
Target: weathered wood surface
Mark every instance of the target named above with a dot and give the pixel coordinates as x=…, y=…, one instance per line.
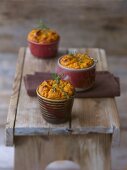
x=91, y=151
x=88, y=115
x=7, y=70
x=14, y=99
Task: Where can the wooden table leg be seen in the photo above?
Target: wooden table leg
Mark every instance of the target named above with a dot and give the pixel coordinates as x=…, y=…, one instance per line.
x=90, y=151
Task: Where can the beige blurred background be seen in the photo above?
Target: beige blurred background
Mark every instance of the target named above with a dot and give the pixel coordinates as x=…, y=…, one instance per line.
x=86, y=23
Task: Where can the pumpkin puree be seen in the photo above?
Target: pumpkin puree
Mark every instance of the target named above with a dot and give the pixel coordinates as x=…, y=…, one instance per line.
x=43, y=36
x=51, y=89
x=77, y=61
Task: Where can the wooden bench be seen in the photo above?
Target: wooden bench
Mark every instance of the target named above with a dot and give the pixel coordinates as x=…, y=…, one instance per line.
x=95, y=123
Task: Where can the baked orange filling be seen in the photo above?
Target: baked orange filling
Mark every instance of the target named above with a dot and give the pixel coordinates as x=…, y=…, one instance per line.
x=43, y=36
x=52, y=89
x=77, y=61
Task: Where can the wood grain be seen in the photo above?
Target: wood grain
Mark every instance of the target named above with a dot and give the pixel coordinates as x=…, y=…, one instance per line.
x=91, y=151
x=88, y=115
x=94, y=123
x=14, y=99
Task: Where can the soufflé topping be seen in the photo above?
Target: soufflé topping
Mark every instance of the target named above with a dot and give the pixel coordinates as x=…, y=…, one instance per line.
x=77, y=61
x=43, y=35
x=56, y=89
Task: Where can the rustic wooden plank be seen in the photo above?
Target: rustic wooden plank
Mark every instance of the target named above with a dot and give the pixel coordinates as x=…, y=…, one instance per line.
x=91, y=151
x=14, y=99
x=88, y=115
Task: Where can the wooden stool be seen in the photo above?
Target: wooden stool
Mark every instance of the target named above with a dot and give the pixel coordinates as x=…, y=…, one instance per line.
x=94, y=125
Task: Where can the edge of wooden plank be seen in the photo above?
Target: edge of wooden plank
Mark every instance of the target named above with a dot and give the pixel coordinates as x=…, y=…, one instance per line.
x=114, y=117
x=102, y=53
x=12, y=111
x=56, y=131
x=115, y=125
